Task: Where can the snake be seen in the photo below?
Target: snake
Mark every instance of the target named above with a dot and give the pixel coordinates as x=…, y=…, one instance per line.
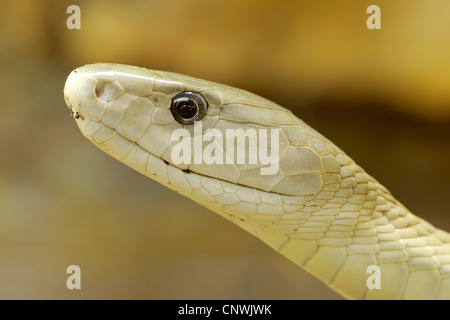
x=319, y=208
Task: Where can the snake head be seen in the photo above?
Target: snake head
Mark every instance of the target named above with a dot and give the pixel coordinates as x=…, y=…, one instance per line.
x=133, y=114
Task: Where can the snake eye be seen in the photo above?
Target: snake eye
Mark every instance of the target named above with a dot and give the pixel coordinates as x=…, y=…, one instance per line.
x=188, y=107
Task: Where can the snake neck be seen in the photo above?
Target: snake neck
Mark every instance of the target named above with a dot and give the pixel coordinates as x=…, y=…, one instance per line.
x=344, y=234
x=362, y=242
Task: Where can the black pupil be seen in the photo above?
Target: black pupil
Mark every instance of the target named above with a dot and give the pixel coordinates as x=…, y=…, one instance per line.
x=186, y=108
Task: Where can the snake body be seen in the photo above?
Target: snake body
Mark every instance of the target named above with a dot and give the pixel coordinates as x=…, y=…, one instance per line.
x=320, y=210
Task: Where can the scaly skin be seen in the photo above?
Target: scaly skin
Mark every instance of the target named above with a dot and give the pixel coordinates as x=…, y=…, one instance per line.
x=321, y=210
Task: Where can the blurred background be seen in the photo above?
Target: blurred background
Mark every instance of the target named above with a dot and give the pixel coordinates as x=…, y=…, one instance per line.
x=381, y=95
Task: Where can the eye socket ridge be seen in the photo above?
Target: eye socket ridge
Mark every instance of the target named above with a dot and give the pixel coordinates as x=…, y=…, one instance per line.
x=188, y=107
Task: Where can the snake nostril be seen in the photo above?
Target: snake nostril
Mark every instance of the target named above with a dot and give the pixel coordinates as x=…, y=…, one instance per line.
x=100, y=89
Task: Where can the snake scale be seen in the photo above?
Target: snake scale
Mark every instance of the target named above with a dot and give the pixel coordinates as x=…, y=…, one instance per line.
x=320, y=209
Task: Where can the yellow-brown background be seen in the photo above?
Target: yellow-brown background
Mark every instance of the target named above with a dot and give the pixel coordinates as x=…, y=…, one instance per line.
x=382, y=96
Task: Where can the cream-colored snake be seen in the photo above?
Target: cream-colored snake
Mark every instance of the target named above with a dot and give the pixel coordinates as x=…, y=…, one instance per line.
x=320, y=209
